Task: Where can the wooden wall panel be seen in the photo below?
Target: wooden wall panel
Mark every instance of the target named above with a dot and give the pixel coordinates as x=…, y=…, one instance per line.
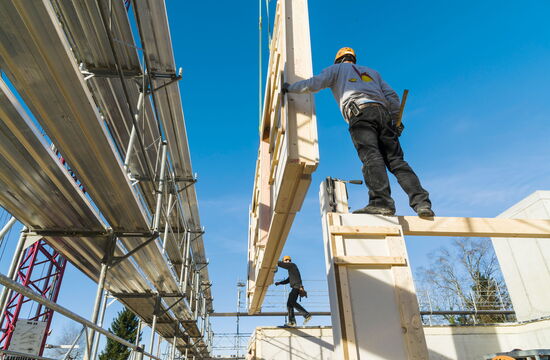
x=288, y=153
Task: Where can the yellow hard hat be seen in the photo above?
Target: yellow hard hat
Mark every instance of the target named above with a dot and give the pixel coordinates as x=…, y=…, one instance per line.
x=285, y=258
x=343, y=52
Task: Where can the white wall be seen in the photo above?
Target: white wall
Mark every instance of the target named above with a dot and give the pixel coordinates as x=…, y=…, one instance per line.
x=272, y=343
x=444, y=342
x=473, y=342
x=525, y=263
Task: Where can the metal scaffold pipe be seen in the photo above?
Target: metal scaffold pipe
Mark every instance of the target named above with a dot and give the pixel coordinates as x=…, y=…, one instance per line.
x=185, y=268
x=173, y=349
x=160, y=188
x=153, y=328
x=95, y=314
x=166, y=227
x=133, y=134
x=7, y=227
x=130, y=147
x=11, y=272
x=101, y=318
x=107, y=28
x=7, y=282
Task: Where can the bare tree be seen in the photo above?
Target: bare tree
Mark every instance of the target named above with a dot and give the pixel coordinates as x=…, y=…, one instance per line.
x=66, y=337
x=466, y=276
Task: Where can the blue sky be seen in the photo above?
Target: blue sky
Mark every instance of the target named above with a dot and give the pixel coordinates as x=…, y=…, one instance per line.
x=477, y=117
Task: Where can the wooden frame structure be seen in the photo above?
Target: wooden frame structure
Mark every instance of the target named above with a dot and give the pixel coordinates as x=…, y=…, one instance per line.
x=288, y=153
x=374, y=308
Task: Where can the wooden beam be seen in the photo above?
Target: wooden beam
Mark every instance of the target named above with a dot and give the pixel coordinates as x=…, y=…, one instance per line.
x=370, y=260
x=289, y=153
x=474, y=227
x=365, y=230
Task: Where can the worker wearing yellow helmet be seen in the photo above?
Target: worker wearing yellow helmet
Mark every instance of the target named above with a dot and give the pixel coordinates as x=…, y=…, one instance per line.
x=371, y=108
x=297, y=289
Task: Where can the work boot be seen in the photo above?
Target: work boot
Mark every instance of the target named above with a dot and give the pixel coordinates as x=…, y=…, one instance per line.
x=375, y=210
x=425, y=212
x=307, y=317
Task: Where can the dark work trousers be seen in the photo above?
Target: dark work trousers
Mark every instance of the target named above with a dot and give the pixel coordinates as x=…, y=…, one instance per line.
x=292, y=304
x=377, y=144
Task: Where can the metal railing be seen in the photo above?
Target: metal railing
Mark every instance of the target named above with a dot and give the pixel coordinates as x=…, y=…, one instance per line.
x=472, y=308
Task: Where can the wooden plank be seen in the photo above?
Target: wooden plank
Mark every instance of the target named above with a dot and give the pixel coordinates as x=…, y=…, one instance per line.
x=344, y=298
x=476, y=227
x=365, y=230
x=370, y=260
x=409, y=311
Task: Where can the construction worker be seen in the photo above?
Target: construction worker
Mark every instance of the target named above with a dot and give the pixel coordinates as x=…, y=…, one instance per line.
x=295, y=281
x=371, y=108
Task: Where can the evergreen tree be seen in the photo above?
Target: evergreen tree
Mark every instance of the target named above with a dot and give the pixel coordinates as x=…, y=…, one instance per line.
x=125, y=326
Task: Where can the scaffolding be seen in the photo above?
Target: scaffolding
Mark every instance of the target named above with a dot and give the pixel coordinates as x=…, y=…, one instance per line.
x=107, y=102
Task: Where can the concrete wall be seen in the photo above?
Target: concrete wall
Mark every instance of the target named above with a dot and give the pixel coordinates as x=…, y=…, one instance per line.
x=273, y=343
x=473, y=342
x=444, y=342
x=525, y=263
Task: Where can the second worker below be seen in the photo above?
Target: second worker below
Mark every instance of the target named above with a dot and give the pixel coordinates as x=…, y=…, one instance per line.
x=295, y=281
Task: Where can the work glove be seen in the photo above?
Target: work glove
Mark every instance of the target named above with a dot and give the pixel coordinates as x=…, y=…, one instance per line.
x=399, y=129
x=277, y=283
x=285, y=88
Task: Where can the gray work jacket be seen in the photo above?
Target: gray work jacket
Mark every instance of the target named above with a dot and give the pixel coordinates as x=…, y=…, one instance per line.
x=350, y=81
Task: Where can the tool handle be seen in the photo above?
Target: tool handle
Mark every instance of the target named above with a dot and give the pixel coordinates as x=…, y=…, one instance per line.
x=402, y=107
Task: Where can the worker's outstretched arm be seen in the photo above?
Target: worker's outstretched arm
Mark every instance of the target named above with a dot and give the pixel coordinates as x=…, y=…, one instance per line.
x=392, y=98
x=324, y=80
x=285, y=281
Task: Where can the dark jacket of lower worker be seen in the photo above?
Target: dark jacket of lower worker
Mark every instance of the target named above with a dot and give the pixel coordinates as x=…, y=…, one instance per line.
x=294, y=278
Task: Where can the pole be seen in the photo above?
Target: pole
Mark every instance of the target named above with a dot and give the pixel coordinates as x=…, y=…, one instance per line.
x=165, y=238
x=74, y=343
x=192, y=295
x=196, y=292
x=187, y=256
x=130, y=148
x=6, y=281
x=103, y=308
x=160, y=188
x=237, y=339
x=7, y=227
x=154, y=324
x=158, y=345
x=173, y=349
x=11, y=272
x=133, y=354
x=153, y=328
x=139, y=354
x=95, y=313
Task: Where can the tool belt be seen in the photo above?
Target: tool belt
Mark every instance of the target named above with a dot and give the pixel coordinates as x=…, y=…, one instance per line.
x=355, y=107
x=302, y=292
